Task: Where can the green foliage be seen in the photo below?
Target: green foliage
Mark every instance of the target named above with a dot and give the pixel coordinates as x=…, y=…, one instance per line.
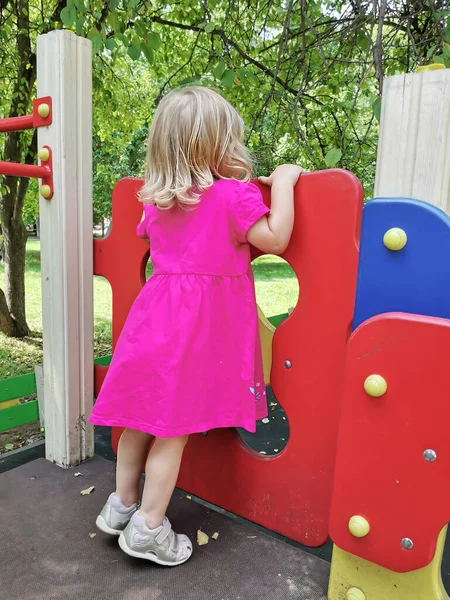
x=332, y=157
x=377, y=108
x=31, y=203
x=302, y=75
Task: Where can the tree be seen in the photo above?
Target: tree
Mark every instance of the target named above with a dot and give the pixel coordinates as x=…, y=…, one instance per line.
x=307, y=77
x=18, y=61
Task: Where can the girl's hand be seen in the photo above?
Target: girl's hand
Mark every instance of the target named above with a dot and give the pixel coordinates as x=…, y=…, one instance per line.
x=283, y=173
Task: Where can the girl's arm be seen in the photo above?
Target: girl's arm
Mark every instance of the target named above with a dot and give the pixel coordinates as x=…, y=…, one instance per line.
x=271, y=234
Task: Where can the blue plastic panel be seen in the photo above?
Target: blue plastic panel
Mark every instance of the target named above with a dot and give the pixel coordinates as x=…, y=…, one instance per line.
x=415, y=279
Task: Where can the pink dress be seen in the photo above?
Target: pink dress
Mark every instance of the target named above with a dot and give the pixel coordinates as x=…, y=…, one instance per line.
x=189, y=357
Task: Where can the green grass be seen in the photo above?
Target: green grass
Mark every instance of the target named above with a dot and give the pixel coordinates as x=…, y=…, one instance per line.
x=277, y=288
x=276, y=292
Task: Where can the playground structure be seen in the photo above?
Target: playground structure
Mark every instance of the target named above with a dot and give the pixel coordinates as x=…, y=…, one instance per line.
x=368, y=456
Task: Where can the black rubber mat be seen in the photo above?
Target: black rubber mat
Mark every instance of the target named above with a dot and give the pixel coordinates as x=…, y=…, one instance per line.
x=46, y=551
x=272, y=434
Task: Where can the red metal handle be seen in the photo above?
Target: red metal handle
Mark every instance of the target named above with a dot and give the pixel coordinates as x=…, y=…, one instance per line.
x=44, y=171
x=41, y=117
x=16, y=124
x=19, y=170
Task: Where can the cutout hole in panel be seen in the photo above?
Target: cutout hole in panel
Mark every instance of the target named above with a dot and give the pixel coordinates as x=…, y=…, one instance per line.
x=277, y=288
x=102, y=317
x=277, y=293
x=148, y=267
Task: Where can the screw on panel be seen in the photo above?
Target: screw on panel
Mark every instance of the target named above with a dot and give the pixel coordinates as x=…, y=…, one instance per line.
x=407, y=544
x=430, y=455
x=287, y=364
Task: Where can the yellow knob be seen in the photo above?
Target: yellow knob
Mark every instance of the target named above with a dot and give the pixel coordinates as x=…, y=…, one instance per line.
x=395, y=239
x=44, y=110
x=44, y=154
x=45, y=191
x=359, y=526
x=432, y=67
x=355, y=594
x=375, y=386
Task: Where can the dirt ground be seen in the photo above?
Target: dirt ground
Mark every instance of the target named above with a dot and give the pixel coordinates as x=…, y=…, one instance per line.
x=20, y=436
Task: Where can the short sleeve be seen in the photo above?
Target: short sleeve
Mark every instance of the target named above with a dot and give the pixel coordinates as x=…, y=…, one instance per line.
x=247, y=208
x=141, y=229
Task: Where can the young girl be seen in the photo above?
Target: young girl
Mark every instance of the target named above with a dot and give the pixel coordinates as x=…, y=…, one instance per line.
x=189, y=358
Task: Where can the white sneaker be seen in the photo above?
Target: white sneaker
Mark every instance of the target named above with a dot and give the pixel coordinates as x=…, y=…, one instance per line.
x=162, y=545
x=115, y=516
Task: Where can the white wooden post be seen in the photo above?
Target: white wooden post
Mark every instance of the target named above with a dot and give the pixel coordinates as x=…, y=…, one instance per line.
x=64, y=72
x=414, y=144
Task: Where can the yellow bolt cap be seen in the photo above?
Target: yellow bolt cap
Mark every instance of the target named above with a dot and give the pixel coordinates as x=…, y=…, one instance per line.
x=359, y=526
x=395, y=239
x=44, y=154
x=375, y=386
x=45, y=191
x=44, y=110
x=432, y=67
x=355, y=594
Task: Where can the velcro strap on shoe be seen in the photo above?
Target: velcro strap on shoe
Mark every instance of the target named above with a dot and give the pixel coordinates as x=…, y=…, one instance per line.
x=166, y=529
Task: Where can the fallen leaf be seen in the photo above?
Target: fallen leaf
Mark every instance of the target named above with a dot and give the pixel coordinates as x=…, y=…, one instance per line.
x=202, y=538
x=9, y=446
x=262, y=452
x=215, y=536
x=265, y=421
x=87, y=491
x=76, y=474
x=189, y=497
x=275, y=450
x=92, y=535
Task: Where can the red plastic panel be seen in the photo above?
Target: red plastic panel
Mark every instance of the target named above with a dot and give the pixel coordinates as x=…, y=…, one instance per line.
x=290, y=493
x=381, y=473
x=121, y=258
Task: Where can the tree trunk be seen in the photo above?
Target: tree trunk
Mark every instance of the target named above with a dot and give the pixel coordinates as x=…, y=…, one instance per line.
x=18, y=148
x=6, y=322
x=12, y=316
x=15, y=239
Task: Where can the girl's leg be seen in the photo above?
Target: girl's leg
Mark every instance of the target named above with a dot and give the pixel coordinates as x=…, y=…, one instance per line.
x=161, y=474
x=131, y=456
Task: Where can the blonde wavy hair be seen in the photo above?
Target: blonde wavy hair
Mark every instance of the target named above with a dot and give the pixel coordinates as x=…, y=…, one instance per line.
x=195, y=138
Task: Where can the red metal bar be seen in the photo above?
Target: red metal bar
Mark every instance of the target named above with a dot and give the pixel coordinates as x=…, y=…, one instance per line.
x=16, y=124
x=30, y=121
x=19, y=170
